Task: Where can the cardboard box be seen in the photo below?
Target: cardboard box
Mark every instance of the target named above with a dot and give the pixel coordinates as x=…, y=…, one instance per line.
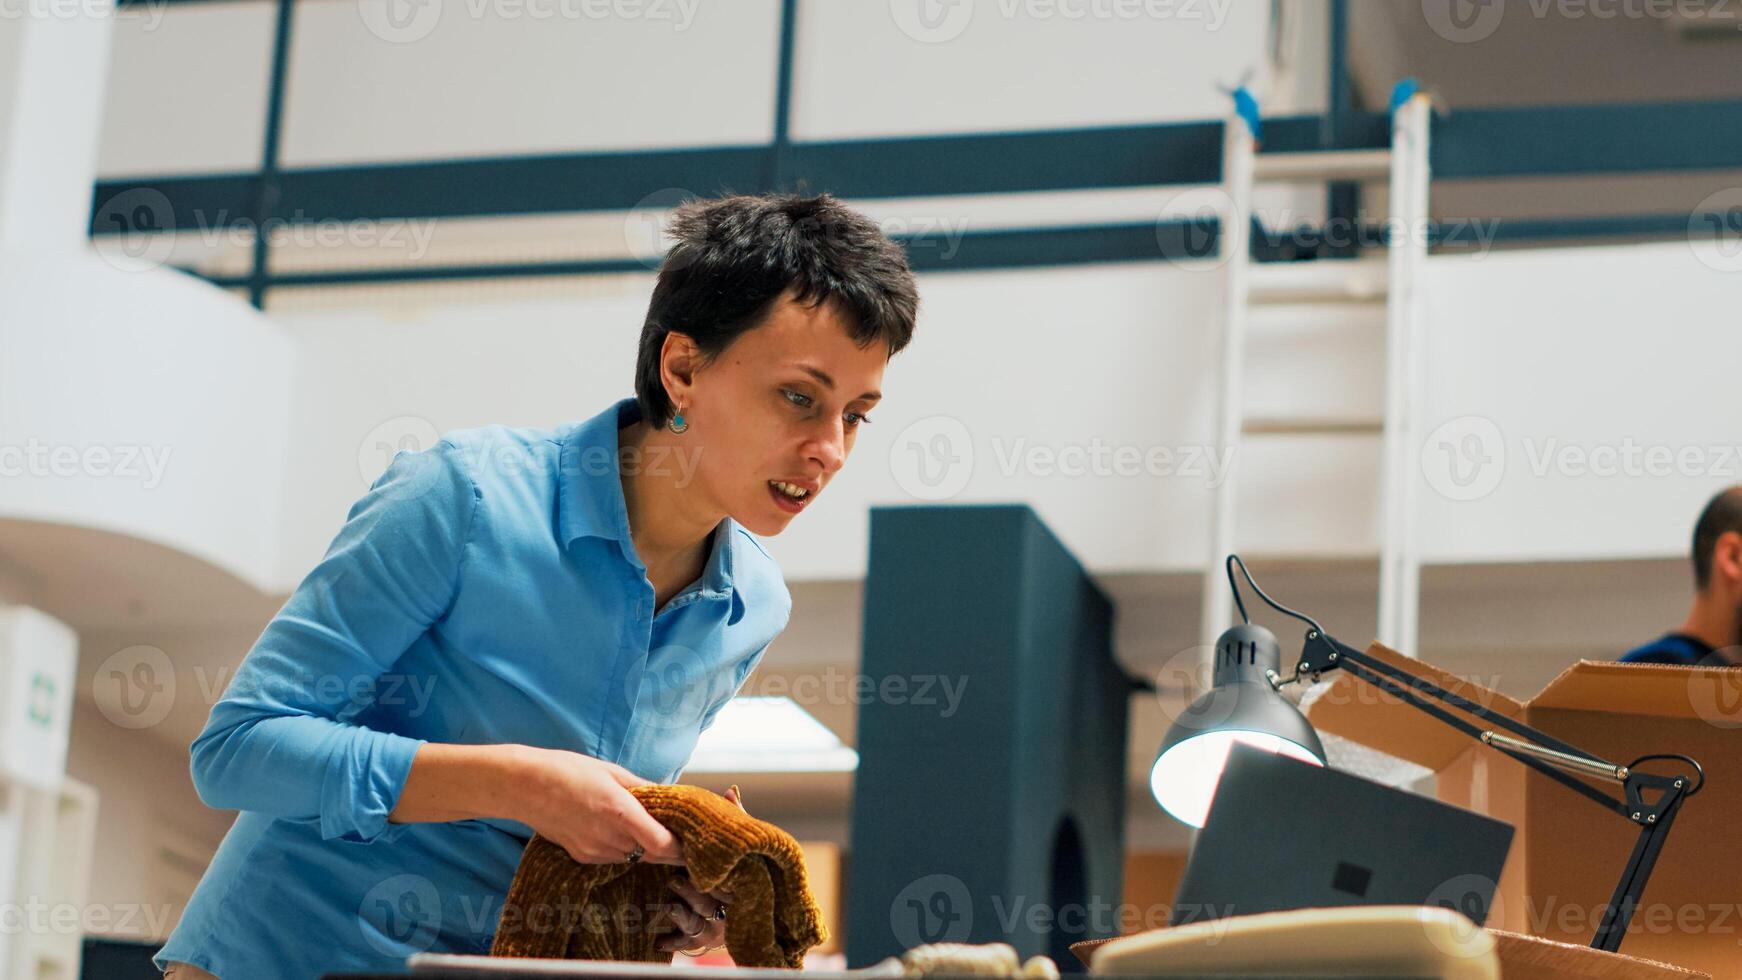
x=822, y=868
x=1569, y=852
x=1534, y=958
x=1529, y=958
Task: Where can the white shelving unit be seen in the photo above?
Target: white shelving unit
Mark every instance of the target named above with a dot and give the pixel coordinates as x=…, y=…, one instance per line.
x=48, y=823
x=52, y=832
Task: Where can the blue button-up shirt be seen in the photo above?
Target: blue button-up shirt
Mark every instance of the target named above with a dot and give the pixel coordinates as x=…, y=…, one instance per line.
x=485, y=590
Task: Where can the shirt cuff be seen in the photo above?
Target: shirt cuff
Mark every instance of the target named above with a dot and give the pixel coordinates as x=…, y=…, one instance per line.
x=363, y=787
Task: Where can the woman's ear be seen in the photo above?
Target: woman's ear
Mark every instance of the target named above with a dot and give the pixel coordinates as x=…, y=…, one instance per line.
x=679, y=358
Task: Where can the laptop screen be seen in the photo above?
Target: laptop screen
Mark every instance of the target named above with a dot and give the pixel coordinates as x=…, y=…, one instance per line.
x=1283, y=834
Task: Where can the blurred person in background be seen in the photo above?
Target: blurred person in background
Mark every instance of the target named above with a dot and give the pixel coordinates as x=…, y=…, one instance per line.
x=1711, y=636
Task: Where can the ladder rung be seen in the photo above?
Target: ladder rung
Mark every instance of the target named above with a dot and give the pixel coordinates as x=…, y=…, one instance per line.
x=1323, y=165
x=1302, y=426
x=1324, y=281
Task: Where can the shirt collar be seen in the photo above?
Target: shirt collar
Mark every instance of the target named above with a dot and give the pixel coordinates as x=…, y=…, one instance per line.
x=590, y=497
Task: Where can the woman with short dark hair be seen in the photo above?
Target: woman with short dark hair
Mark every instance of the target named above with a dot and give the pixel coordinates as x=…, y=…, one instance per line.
x=516, y=626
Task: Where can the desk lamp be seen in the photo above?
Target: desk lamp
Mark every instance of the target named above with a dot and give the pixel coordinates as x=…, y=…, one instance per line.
x=1245, y=704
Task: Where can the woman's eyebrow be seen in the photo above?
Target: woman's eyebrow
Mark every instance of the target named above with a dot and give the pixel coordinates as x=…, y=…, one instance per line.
x=829, y=382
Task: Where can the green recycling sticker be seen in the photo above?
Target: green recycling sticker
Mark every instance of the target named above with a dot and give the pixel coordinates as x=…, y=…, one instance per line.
x=41, y=710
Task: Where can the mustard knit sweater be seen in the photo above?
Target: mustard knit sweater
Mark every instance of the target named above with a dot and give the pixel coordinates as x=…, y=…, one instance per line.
x=560, y=909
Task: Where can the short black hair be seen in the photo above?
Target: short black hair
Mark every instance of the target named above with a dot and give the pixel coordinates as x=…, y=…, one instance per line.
x=1723, y=514
x=732, y=258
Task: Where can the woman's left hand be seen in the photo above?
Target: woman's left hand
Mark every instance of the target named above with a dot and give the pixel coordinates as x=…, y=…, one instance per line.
x=698, y=927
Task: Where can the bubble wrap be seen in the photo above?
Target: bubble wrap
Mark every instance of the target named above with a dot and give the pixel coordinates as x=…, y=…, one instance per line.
x=1356, y=759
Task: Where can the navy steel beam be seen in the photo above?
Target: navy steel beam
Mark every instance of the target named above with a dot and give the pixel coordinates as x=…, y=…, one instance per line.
x=1551, y=140
x=780, y=150
x=942, y=252
x=266, y=189
x=1342, y=198
x=1085, y=159
x=1470, y=143
x=1169, y=241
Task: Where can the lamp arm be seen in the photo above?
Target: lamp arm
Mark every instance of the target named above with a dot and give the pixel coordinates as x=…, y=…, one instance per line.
x=1325, y=652
x=1417, y=700
x=1594, y=768
x=1619, y=912
x=1541, y=752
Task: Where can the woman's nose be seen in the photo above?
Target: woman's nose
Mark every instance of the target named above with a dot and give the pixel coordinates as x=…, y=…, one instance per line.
x=830, y=448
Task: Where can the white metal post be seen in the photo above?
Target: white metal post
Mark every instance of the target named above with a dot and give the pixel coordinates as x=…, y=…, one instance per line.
x=1399, y=556
x=51, y=113
x=1238, y=151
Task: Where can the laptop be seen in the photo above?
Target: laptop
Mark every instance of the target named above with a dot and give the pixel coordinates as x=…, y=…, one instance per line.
x=1284, y=834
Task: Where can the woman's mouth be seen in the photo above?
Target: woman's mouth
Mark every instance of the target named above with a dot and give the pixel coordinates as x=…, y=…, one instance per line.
x=790, y=497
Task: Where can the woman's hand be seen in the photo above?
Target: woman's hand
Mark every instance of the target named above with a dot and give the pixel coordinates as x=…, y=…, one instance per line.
x=584, y=805
x=699, y=929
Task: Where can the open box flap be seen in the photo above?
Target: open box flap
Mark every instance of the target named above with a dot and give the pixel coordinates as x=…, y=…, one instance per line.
x=1712, y=694
x=1362, y=713
x=1533, y=956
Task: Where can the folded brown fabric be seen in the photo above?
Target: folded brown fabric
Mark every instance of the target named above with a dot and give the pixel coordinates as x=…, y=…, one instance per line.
x=558, y=908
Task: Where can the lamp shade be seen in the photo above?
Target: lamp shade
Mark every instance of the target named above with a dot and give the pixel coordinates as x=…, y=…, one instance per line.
x=1241, y=706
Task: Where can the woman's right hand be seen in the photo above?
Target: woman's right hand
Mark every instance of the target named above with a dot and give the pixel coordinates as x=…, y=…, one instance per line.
x=584, y=805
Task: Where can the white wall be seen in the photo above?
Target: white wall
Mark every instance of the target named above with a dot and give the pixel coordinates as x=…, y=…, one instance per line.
x=11, y=43
x=880, y=69
x=1568, y=345
x=570, y=75
x=587, y=76
x=411, y=374
x=150, y=823
x=555, y=361
x=143, y=402
x=163, y=105
x=1592, y=347
x=362, y=90
x=52, y=69
x=1589, y=347
x=1569, y=362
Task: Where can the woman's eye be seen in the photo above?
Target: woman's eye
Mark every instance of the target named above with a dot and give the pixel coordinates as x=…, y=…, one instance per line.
x=854, y=418
x=803, y=401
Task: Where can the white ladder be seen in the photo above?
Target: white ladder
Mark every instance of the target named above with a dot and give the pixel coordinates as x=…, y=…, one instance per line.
x=1342, y=282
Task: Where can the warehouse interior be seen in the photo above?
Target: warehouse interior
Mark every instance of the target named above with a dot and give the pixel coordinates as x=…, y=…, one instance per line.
x=250, y=250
